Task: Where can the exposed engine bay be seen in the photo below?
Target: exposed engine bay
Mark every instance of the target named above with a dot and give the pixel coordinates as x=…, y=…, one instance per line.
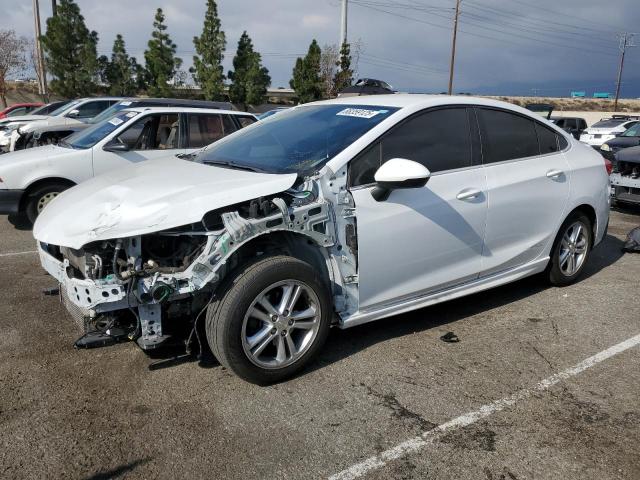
x=154, y=287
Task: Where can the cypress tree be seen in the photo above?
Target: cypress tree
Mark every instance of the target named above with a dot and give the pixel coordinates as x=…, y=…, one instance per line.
x=344, y=75
x=120, y=72
x=207, y=67
x=160, y=58
x=249, y=79
x=306, y=79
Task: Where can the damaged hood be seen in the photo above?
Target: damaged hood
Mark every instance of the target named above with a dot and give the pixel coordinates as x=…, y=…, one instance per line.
x=148, y=197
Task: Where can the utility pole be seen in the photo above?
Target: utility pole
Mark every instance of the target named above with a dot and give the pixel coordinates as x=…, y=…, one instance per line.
x=453, y=46
x=54, y=8
x=343, y=27
x=626, y=41
x=42, y=74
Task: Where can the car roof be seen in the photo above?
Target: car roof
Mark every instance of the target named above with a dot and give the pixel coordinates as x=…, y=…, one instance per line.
x=185, y=110
x=415, y=100
x=170, y=101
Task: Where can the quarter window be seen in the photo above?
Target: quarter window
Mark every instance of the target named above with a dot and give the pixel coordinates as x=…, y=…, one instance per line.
x=547, y=138
x=205, y=129
x=438, y=139
x=506, y=136
x=245, y=120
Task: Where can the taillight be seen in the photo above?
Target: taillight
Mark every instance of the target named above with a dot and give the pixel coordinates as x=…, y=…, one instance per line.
x=608, y=166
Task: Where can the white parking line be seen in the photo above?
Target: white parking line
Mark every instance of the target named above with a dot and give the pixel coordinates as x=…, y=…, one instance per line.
x=416, y=443
x=13, y=254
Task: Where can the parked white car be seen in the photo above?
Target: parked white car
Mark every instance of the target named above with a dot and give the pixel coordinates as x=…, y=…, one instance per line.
x=74, y=112
x=338, y=212
x=606, y=129
x=29, y=179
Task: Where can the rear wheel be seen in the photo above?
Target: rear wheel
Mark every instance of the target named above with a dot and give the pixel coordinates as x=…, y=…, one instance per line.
x=271, y=319
x=40, y=198
x=571, y=249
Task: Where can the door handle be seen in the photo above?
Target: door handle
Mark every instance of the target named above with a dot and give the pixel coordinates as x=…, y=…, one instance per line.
x=468, y=194
x=554, y=173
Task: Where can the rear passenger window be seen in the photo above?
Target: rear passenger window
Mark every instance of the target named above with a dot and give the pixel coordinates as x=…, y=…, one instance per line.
x=245, y=120
x=205, y=129
x=547, y=138
x=506, y=136
x=438, y=139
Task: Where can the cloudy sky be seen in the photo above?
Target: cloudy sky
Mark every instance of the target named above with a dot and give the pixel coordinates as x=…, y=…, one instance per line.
x=505, y=46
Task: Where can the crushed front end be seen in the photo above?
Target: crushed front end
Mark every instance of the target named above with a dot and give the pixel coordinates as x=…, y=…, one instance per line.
x=152, y=288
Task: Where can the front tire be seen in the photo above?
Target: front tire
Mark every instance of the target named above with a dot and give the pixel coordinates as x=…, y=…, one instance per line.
x=271, y=319
x=40, y=198
x=571, y=250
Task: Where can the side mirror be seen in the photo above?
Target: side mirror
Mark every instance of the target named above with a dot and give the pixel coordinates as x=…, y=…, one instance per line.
x=399, y=173
x=116, y=146
x=73, y=113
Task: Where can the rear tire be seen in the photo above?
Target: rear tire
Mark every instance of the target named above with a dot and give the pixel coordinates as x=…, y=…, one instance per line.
x=571, y=250
x=40, y=197
x=253, y=330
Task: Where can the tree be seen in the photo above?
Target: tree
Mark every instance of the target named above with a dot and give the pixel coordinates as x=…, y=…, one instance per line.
x=70, y=50
x=344, y=76
x=120, y=72
x=142, y=79
x=160, y=58
x=249, y=79
x=306, y=79
x=329, y=59
x=13, y=59
x=207, y=67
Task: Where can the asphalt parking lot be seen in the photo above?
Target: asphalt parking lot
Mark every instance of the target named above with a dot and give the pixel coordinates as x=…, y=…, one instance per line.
x=379, y=403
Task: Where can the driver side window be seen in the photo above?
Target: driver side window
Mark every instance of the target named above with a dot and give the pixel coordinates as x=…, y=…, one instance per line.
x=438, y=139
x=153, y=132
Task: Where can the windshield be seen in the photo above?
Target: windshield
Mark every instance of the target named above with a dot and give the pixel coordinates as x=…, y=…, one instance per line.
x=88, y=137
x=64, y=108
x=110, y=112
x=299, y=140
x=633, y=131
x=608, y=123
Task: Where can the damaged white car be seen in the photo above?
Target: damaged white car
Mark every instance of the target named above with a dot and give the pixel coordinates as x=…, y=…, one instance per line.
x=332, y=213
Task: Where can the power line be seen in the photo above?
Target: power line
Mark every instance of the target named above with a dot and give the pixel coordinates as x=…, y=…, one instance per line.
x=535, y=29
x=536, y=18
x=537, y=7
x=475, y=34
x=417, y=66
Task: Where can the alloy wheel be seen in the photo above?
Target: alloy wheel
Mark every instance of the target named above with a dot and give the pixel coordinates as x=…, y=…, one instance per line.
x=573, y=249
x=281, y=324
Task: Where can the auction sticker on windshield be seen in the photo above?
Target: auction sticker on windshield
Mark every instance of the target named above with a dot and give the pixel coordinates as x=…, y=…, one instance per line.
x=359, y=112
x=115, y=121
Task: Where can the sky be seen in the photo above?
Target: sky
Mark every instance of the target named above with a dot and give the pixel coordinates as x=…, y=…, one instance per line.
x=505, y=47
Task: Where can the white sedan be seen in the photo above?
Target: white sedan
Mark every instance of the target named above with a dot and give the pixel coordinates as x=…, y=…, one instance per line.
x=339, y=212
x=30, y=179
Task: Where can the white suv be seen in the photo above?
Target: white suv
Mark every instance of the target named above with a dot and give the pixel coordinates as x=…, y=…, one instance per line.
x=29, y=179
x=331, y=213
x=606, y=129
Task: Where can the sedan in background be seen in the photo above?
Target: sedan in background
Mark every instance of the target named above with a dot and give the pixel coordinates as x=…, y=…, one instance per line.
x=627, y=139
x=606, y=129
